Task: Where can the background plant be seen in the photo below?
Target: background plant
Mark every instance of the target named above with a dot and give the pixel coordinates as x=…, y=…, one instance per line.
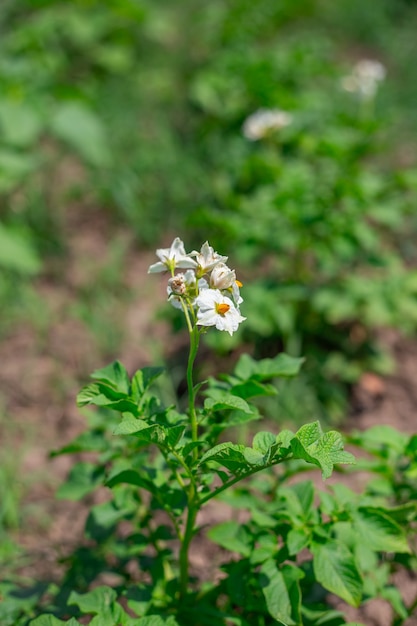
x=115, y=106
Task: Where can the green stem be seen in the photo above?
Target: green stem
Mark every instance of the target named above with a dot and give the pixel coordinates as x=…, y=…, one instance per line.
x=187, y=316
x=185, y=544
x=193, y=504
x=235, y=480
x=186, y=468
x=194, y=341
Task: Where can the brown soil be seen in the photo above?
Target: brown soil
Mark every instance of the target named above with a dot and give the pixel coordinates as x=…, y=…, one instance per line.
x=42, y=369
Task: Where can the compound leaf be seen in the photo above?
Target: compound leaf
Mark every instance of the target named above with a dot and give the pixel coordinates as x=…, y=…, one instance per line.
x=228, y=454
x=321, y=449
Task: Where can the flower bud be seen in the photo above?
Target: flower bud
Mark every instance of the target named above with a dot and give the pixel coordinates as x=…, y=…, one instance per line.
x=222, y=277
x=177, y=285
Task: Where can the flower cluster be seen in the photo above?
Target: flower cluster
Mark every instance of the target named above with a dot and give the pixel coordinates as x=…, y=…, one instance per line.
x=264, y=121
x=364, y=78
x=207, y=291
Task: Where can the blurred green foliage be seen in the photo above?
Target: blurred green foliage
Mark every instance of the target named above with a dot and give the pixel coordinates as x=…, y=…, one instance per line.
x=138, y=107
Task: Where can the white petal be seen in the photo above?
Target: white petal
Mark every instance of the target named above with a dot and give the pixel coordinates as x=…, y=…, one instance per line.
x=163, y=253
x=157, y=267
x=207, y=318
x=177, y=248
x=184, y=263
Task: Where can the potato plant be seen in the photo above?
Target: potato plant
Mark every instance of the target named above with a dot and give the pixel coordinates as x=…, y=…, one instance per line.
x=161, y=466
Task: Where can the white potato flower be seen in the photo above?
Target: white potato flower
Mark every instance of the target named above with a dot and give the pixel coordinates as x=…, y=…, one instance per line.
x=172, y=258
x=215, y=309
x=364, y=78
x=225, y=280
x=263, y=121
x=207, y=259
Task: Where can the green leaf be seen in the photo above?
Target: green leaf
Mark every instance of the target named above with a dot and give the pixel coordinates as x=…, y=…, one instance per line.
x=14, y=168
x=335, y=569
x=266, y=545
x=154, y=620
x=131, y=477
x=378, y=531
x=237, y=418
x=253, y=388
x=51, y=620
x=403, y=513
x=114, y=375
x=264, y=449
x=152, y=433
x=297, y=540
x=282, y=593
x=20, y=123
x=394, y=597
x=107, y=514
x=285, y=438
x=276, y=593
x=299, y=499
x=95, y=601
x=411, y=447
x=320, y=617
x=233, y=537
x=381, y=438
x=263, y=441
x=82, y=129
x=174, y=435
x=282, y=365
x=219, y=400
x=143, y=379
x=16, y=601
x=323, y=450
x=130, y=425
x=83, y=479
x=103, y=395
x=254, y=457
x=189, y=447
x=173, y=499
x=87, y=394
x=17, y=252
x=228, y=454
x=102, y=602
x=88, y=441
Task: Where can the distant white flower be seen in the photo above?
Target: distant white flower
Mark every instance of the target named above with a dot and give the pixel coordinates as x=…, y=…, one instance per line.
x=364, y=78
x=264, y=121
x=215, y=309
x=207, y=259
x=171, y=258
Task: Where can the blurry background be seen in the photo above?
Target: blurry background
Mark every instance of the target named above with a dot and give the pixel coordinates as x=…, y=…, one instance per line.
x=121, y=127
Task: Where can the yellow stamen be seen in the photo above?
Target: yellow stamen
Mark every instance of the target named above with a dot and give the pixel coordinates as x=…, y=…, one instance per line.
x=238, y=283
x=222, y=308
